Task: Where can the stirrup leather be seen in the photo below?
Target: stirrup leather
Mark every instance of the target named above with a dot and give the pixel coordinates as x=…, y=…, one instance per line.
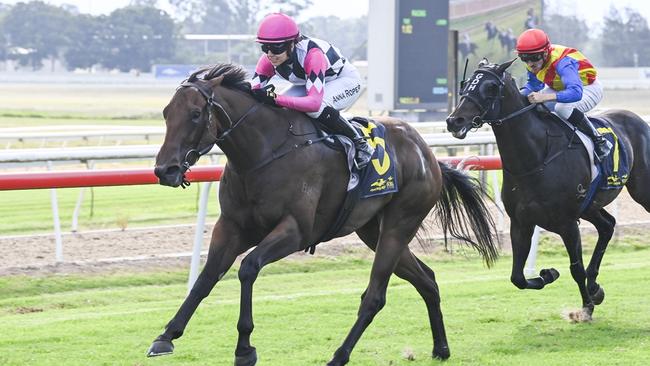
x=363, y=153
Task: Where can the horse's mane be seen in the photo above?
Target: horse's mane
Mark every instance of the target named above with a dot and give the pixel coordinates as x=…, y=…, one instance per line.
x=234, y=76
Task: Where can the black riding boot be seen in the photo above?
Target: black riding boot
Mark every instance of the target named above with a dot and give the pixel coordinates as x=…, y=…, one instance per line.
x=602, y=146
x=335, y=123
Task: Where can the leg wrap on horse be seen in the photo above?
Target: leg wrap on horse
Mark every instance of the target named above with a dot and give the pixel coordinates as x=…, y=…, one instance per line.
x=602, y=146
x=332, y=120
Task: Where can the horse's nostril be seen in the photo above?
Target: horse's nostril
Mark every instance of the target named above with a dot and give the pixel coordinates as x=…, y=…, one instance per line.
x=455, y=121
x=159, y=171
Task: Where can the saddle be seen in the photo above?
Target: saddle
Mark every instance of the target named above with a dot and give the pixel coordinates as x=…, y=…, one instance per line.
x=613, y=171
x=377, y=178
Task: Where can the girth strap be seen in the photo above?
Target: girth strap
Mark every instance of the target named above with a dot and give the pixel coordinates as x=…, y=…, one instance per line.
x=351, y=199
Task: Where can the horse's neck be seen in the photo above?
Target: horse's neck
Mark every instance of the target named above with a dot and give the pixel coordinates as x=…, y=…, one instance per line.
x=259, y=136
x=521, y=141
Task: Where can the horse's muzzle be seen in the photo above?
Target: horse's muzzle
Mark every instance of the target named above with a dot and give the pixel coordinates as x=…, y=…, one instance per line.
x=457, y=126
x=171, y=176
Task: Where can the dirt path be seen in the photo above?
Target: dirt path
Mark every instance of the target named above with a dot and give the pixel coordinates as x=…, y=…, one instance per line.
x=154, y=248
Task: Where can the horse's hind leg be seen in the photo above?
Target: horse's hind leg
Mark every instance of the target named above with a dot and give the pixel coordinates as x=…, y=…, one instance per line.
x=393, y=240
x=571, y=238
x=423, y=279
x=283, y=240
x=226, y=244
x=411, y=269
x=637, y=185
x=604, y=223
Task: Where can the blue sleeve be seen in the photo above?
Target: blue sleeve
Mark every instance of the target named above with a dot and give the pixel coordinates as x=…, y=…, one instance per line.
x=567, y=69
x=533, y=85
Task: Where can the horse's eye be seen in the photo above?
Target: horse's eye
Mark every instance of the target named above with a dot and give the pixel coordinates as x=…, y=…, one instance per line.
x=490, y=90
x=196, y=115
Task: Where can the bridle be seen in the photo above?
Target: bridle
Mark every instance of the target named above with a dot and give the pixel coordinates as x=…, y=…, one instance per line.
x=195, y=153
x=476, y=96
x=495, y=101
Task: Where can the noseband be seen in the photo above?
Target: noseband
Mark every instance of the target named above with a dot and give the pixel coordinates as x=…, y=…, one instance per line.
x=194, y=153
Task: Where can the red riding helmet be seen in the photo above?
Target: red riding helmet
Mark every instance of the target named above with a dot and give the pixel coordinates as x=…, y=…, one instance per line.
x=277, y=28
x=533, y=41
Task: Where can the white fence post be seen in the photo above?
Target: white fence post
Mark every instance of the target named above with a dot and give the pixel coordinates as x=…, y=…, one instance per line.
x=77, y=208
x=57, y=223
x=198, y=234
x=496, y=189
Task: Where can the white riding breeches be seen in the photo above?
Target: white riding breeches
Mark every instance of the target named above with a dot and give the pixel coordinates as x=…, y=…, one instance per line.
x=339, y=93
x=592, y=94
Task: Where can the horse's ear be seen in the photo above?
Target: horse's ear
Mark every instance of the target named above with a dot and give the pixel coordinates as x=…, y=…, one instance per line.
x=216, y=81
x=504, y=66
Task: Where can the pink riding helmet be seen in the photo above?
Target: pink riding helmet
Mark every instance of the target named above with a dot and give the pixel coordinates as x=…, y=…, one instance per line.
x=277, y=28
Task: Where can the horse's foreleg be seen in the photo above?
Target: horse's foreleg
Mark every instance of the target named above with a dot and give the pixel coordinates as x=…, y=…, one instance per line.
x=604, y=223
x=225, y=246
x=571, y=239
x=283, y=240
x=520, y=236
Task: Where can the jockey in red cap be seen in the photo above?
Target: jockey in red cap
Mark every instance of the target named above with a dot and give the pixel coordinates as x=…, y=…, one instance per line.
x=563, y=78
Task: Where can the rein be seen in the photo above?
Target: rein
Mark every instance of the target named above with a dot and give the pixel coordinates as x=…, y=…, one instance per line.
x=478, y=121
x=277, y=154
x=194, y=154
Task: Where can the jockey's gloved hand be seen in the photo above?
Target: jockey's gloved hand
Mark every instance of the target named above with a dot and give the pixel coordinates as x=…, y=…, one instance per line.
x=265, y=95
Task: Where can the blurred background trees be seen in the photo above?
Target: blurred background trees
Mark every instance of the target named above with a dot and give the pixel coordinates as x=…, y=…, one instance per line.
x=35, y=34
x=625, y=39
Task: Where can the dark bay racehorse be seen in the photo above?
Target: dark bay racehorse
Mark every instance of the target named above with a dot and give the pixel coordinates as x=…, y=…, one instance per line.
x=545, y=176
x=280, y=193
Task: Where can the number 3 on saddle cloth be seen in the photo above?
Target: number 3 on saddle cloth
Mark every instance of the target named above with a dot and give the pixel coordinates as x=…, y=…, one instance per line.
x=378, y=177
x=613, y=171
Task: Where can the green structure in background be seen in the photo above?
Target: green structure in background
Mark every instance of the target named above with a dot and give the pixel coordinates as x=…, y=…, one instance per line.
x=490, y=29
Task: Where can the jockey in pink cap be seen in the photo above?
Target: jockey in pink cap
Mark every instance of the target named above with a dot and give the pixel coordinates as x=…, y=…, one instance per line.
x=323, y=81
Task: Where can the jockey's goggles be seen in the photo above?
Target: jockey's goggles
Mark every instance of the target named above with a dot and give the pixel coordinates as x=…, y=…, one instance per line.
x=275, y=48
x=531, y=57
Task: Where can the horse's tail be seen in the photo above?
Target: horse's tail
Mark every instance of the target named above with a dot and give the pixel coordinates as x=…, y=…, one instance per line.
x=462, y=212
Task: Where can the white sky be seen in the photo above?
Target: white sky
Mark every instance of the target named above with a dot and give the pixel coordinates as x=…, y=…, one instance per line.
x=340, y=8
x=591, y=10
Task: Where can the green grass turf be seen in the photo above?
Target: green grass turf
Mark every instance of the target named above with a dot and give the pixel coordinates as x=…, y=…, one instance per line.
x=29, y=211
x=303, y=310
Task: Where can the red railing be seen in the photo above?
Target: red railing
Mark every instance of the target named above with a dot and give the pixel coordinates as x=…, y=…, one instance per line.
x=122, y=177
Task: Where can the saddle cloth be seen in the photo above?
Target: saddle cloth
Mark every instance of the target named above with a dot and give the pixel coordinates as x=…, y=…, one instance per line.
x=615, y=167
x=613, y=171
x=379, y=176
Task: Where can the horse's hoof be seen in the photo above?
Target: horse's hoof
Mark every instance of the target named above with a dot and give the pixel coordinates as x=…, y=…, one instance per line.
x=336, y=363
x=598, y=296
x=248, y=359
x=549, y=275
x=340, y=358
x=441, y=353
x=160, y=348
